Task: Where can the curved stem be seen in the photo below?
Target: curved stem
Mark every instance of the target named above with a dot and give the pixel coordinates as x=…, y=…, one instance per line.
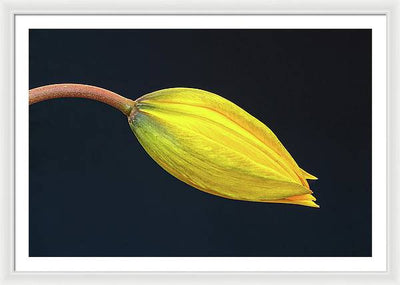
x=69, y=90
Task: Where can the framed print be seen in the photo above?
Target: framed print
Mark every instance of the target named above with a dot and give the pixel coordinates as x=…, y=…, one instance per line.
x=228, y=229
x=208, y=162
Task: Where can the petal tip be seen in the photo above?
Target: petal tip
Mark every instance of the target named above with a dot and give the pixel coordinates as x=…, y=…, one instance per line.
x=308, y=175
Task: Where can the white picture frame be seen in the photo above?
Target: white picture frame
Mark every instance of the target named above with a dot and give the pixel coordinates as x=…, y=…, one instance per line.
x=9, y=10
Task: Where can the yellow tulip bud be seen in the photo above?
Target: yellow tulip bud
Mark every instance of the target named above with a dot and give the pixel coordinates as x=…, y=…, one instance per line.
x=215, y=146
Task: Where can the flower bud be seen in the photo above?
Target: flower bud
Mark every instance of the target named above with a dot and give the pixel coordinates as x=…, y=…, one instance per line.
x=215, y=146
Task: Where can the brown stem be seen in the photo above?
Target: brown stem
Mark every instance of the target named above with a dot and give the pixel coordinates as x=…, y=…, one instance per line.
x=69, y=90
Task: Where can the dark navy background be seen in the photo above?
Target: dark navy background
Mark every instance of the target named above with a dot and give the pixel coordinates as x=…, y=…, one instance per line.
x=95, y=192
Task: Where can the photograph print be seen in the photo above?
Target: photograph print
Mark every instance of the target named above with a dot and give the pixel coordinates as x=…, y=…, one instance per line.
x=200, y=143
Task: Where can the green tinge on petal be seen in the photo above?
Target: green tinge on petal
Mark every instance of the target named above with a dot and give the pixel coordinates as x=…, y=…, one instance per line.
x=215, y=146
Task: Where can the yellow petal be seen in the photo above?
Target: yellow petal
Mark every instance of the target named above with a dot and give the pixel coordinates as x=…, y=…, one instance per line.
x=217, y=147
x=307, y=203
x=308, y=175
